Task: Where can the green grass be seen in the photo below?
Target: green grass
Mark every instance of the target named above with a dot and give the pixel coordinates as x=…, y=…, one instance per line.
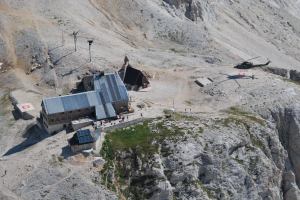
x=143, y=141
x=233, y=120
x=200, y=130
x=5, y=103
x=239, y=161
x=179, y=116
x=257, y=143
x=209, y=193
x=291, y=81
x=240, y=117
x=138, y=139
x=177, y=50
x=189, y=103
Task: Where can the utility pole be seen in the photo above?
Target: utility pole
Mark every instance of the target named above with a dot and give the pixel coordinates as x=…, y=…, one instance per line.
x=90, y=46
x=62, y=38
x=75, y=39
x=174, y=104
x=126, y=63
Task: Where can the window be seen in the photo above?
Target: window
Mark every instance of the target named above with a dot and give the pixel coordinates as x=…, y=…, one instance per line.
x=45, y=124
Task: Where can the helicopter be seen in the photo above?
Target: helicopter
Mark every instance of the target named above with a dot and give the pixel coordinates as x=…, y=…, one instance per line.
x=248, y=65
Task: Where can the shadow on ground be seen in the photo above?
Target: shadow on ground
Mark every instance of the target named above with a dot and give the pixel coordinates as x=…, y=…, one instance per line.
x=16, y=115
x=33, y=135
x=66, y=152
x=62, y=57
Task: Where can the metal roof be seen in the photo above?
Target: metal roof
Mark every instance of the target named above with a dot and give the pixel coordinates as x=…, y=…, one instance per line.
x=108, y=89
x=105, y=111
x=112, y=87
x=72, y=102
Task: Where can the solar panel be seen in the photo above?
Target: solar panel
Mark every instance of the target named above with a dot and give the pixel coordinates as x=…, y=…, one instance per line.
x=84, y=136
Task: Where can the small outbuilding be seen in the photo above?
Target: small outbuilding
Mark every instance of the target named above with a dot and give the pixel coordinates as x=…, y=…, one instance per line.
x=25, y=110
x=202, y=82
x=133, y=78
x=85, y=140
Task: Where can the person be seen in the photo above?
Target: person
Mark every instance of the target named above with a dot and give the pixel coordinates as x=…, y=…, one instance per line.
x=126, y=60
x=5, y=171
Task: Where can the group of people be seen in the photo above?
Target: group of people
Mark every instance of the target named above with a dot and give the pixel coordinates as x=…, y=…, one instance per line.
x=188, y=109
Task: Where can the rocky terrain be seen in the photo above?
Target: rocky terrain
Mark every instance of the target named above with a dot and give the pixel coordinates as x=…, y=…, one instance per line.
x=237, y=138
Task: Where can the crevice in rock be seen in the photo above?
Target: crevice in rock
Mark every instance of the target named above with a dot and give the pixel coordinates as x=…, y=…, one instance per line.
x=288, y=126
x=193, y=10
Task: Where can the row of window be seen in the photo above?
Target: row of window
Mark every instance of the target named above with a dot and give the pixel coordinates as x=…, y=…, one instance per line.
x=66, y=118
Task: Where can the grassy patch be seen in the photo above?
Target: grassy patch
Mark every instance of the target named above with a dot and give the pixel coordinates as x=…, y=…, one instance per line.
x=240, y=116
x=179, y=116
x=200, y=130
x=177, y=50
x=137, y=137
x=168, y=112
x=291, y=81
x=5, y=103
x=239, y=161
x=233, y=120
x=209, y=193
x=142, y=142
x=244, y=119
x=124, y=149
x=55, y=161
x=257, y=143
x=189, y=103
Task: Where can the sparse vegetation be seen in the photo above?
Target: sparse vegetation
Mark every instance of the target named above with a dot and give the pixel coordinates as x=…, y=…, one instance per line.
x=209, y=193
x=239, y=161
x=179, y=116
x=257, y=143
x=137, y=137
x=55, y=161
x=177, y=50
x=143, y=140
x=240, y=117
x=5, y=102
x=291, y=81
x=200, y=130
x=237, y=112
x=189, y=103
